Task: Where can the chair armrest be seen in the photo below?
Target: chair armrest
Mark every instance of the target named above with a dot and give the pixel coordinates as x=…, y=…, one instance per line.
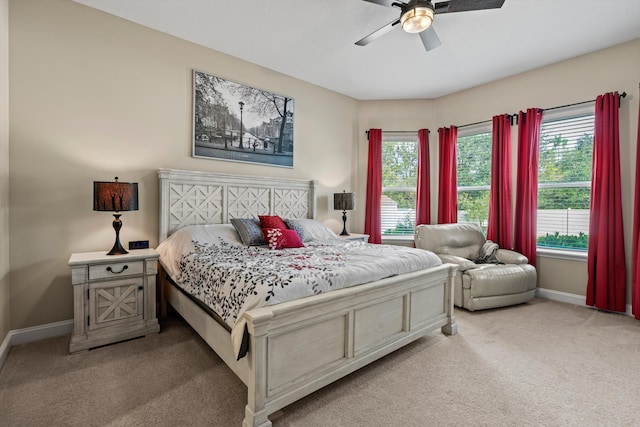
x=511, y=257
x=462, y=263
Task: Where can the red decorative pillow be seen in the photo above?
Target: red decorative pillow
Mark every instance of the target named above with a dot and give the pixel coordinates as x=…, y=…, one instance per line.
x=272, y=221
x=280, y=239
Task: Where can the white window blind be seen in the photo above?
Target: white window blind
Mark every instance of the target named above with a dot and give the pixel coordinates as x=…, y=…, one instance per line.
x=564, y=181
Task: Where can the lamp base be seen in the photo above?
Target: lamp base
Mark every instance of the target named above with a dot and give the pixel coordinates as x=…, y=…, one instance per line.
x=344, y=224
x=117, y=248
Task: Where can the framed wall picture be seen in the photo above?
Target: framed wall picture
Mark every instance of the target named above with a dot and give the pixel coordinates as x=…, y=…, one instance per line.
x=235, y=122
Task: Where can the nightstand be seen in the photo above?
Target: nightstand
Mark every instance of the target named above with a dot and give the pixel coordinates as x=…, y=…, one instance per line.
x=114, y=297
x=355, y=236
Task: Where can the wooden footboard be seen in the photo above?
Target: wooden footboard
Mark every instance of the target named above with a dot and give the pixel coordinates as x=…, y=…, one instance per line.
x=300, y=346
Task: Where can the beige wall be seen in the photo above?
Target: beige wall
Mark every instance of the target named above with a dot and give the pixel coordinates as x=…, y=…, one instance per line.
x=94, y=96
x=579, y=79
x=4, y=169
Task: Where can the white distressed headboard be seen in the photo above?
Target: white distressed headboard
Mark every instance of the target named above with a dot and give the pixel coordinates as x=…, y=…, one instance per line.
x=193, y=198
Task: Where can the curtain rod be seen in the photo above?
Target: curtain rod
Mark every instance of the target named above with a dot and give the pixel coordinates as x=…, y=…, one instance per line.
x=622, y=95
x=511, y=116
x=396, y=131
x=473, y=124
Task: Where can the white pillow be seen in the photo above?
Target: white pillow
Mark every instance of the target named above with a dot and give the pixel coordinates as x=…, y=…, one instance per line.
x=311, y=229
x=181, y=243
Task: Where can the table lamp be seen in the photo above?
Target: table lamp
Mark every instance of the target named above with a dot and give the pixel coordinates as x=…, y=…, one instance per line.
x=344, y=202
x=115, y=197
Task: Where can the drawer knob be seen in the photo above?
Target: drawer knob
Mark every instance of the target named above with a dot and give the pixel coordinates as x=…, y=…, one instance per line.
x=140, y=287
x=110, y=270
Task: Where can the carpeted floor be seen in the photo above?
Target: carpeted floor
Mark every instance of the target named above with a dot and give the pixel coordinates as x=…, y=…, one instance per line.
x=542, y=363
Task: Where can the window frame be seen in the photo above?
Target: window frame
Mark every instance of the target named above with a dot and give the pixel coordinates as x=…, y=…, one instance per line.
x=475, y=129
x=561, y=113
x=399, y=137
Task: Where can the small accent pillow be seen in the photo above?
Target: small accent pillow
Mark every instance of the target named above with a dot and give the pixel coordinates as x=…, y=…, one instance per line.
x=272, y=221
x=249, y=230
x=282, y=238
x=310, y=229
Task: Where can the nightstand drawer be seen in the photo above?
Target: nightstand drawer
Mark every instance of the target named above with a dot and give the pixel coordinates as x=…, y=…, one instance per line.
x=115, y=270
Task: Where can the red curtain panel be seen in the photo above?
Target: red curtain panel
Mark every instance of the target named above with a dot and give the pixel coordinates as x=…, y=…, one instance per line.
x=606, y=284
x=372, y=225
x=448, y=182
x=527, y=183
x=423, y=196
x=500, y=225
x=635, y=258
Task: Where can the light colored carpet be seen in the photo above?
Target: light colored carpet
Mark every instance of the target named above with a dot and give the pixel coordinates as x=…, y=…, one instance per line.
x=542, y=363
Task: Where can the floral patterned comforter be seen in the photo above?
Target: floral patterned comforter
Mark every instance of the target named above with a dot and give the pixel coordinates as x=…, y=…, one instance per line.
x=231, y=278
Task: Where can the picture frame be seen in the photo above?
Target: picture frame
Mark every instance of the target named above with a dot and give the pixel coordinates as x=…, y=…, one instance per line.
x=236, y=122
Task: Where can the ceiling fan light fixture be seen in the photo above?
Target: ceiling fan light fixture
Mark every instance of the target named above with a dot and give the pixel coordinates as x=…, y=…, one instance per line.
x=417, y=19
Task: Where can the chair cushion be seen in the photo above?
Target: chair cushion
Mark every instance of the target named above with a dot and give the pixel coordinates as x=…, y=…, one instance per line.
x=492, y=280
x=463, y=240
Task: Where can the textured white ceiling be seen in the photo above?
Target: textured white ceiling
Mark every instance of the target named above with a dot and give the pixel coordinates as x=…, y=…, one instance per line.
x=313, y=40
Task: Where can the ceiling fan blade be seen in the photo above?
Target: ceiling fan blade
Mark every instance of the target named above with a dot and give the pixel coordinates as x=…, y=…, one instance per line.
x=452, y=6
x=430, y=39
x=377, y=33
x=381, y=2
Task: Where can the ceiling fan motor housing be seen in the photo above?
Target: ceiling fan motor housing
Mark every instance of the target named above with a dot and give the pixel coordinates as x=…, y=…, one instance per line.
x=417, y=15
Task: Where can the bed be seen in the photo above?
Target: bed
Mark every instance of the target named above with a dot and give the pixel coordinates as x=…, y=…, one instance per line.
x=296, y=347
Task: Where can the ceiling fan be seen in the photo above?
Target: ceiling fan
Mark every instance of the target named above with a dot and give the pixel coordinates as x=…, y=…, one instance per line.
x=416, y=16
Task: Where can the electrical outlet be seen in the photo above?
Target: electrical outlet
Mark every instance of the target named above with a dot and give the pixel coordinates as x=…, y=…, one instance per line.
x=139, y=244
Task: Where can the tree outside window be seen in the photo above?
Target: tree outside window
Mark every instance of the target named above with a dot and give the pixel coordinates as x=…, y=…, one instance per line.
x=564, y=182
x=399, y=182
x=474, y=178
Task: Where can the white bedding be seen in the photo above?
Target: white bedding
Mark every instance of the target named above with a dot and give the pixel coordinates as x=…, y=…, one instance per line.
x=211, y=263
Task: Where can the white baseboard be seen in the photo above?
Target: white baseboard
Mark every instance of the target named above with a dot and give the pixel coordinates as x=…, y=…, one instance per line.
x=568, y=298
x=34, y=333
x=561, y=296
x=40, y=332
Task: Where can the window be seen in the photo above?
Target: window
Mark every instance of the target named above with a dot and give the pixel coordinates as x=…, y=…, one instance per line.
x=399, y=181
x=473, y=162
x=564, y=178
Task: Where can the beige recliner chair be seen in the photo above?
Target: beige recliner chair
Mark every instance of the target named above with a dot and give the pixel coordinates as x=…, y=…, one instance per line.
x=487, y=276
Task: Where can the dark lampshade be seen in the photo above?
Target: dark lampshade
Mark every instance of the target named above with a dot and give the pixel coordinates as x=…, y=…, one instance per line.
x=344, y=201
x=115, y=197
